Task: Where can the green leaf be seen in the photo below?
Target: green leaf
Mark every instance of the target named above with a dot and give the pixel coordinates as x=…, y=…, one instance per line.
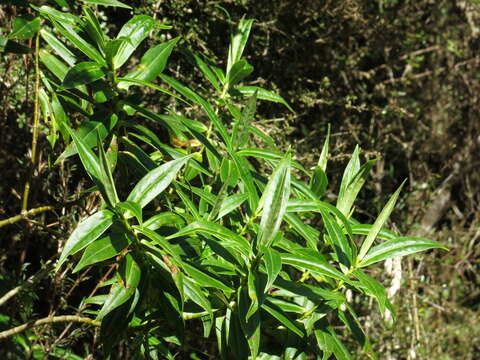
x=273, y=265
x=164, y=218
x=107, y=3
x=231, y=203
x=85, y=233
x=240, y=131
x=119, y=294
x=195, y=293
x=130, y=209
x=207, y=71
x=58, y=47
x=204, y=279
x=83, y=73
x=88, y=133
x=280, y=316
x=318, y=182
x=93, y=28
x=275, y=156
x=53, y=14
x=353, y=179
x=373, y=288
x=243, y=167
x=106, y=174
x=315, y=264
x=135, y=31
x=400, y=246
x=193, y=96
x=228, y=237
x=378, y=224
x=157, y=180
x=89, y=160
x=103, y=249
x=274, y=202
x=79, y=42
x=263, y=94
x=56, y=66
x=239, y=71
x=153, y=62
x=322, y=161
x=130, y=271
x=24, y=29
x=238, y=40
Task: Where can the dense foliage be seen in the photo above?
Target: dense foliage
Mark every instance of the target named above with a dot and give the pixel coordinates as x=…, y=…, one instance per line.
x=220, y=227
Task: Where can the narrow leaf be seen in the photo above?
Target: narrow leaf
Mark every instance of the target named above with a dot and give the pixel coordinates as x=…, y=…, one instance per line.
x=85, y=233
x=157, y=180
x=83, y=73
x=107, y=3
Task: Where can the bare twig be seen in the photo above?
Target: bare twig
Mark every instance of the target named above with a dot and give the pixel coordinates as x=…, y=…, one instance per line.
x=48, y=320
x=25, y=215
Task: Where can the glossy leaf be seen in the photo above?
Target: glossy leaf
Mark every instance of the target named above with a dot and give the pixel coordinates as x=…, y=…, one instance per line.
x=152, y=63
x=242, y=123
x=273, y=265
x=58, y=47
x=53, y=14
x=220, y=232
x=157, y=180
x=378, y=224
x=106, y=174
x=262, y=94
x=119, y=295
x=165, y=218
x=240, y=70
x=400, y=246
x=314, y=264
x=231, y=203
x=204, y=279
x=280, y=316
x=238, y=40
x=24, y=29
x=135, y=31
x=102, y=249
x=80, y=43
x=56, y=66
x=93, y=28
x=274, y=202
x=85, y=233
x=107, y=3
x=130, y=209
x=83, y=73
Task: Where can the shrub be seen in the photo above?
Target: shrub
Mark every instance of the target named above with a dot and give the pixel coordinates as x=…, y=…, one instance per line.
x=195, y=224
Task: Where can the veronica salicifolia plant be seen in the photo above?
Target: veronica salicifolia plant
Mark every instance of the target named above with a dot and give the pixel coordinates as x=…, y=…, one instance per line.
x=197, y=231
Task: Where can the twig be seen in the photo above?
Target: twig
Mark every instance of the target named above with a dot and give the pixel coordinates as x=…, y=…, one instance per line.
x=25, y=214
x=32, y=280
x=48, y=320
x=36, y=120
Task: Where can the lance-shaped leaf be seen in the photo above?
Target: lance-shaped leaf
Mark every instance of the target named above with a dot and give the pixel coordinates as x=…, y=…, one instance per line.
x=164, y=218
x=153, y=62
x=58, y=47
x=280, y=316
x=373, y=288
x=79, y=42
x=93, y=28
x=262, y=94
x=83, y=73
x=134, y=31
x=55, y=65
x=238, y=40
x=315, y=264
x=353, y=179
x=203, y=278
x=53, y=14
x=102, y=249
x=157, y=180
x=85, y=233
x=231, y=203
x=273, y=264
x=130, y=209
x=106, y=174
x=274, y=202
x=378, y=224
x=241, y=127
x=107, y=3
x=399, y=247
x=240, y=70
x=24, y=29
x=195, y=293
x=228, y=237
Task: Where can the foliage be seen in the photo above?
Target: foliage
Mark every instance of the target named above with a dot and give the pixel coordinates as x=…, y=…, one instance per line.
x=203, y=231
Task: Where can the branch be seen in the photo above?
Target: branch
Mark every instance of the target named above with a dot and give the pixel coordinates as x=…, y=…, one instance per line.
x=25, y=214
x=29, y=283
x=48, y=320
